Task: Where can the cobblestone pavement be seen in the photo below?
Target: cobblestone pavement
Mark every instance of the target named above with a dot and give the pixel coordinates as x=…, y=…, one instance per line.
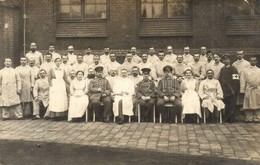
x=236, y=141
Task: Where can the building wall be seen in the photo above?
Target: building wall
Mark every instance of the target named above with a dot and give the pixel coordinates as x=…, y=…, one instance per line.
x=10, y=33
x=209, y=25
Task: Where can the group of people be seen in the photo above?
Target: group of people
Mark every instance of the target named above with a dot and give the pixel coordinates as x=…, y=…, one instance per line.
x=58, y=87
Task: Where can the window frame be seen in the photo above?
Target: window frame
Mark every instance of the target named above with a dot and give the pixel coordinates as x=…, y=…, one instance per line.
x=83, y=18
x=165, y=12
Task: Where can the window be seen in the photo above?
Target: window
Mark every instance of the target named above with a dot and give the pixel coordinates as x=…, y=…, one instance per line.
x=165, y=8
x=245, y=7
x=80, y=10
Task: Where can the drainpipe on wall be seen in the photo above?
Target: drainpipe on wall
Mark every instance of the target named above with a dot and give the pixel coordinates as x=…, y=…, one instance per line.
x=24, y=28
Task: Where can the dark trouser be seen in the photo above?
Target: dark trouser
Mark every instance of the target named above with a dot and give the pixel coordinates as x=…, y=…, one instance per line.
x=176, y=110
x=107, y=107
x=146, y=108
x=230, y=107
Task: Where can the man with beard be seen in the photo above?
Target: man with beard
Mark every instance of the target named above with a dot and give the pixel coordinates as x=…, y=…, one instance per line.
x=197, y=67
x=145, y=94
x=211, y=93
x=230, y=85
x=113, y=78
x=169, y=91
x=250, y=85
x=27, y=79
x=99, y=90
x=123, y=92
x=35, y=54
x=67, y=67
x=72, y=58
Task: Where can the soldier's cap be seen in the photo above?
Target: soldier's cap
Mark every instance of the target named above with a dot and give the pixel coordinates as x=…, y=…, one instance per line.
x=146, y=70
x=226, y=56
x=167, y=68
x=99, y=68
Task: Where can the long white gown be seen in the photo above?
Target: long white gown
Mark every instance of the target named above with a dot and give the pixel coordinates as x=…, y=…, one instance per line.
x=124, y=85
x=58, y=101
x=190, y=98
x=78, y=99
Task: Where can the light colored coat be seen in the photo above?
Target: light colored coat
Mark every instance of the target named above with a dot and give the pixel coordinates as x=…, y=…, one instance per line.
x=27, y=82
x=10, y=84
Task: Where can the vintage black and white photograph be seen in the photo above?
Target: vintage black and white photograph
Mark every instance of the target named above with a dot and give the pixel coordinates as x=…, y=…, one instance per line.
x=129, y=82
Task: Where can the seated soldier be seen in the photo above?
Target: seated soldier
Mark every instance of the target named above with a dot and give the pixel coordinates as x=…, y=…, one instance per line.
x=211, y=93
x=169, y=91
x=99, y=91
x=146, y=95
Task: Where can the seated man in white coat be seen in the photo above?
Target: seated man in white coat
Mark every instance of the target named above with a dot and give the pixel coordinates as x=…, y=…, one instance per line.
x=123, y=91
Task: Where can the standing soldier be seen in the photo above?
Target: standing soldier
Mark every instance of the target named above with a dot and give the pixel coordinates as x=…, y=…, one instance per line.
x=146, y=95
x=229, y=81
x=10, y=89
x=35, y=54
x=27, y=84
x=113, y=64
x=250, y=85
x=35, y=69
x=179, y=67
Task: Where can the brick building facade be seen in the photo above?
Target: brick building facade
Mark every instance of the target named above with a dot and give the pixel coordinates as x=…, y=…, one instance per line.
x=222, y=25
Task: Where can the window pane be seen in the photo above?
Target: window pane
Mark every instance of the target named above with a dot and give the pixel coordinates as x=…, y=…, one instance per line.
x=101, y=11
x=90, y=1
x=101, y=1
x=257, y=7
x=161, y=1
x=90, y=11
x=75, y=11
x=146, y=10
x=65, y=2
x=65, y=9
x=157, y=10
x=75, y=2
x=178, y=8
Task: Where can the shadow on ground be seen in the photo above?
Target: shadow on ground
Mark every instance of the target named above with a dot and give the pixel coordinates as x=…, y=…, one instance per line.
x=30, y=153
